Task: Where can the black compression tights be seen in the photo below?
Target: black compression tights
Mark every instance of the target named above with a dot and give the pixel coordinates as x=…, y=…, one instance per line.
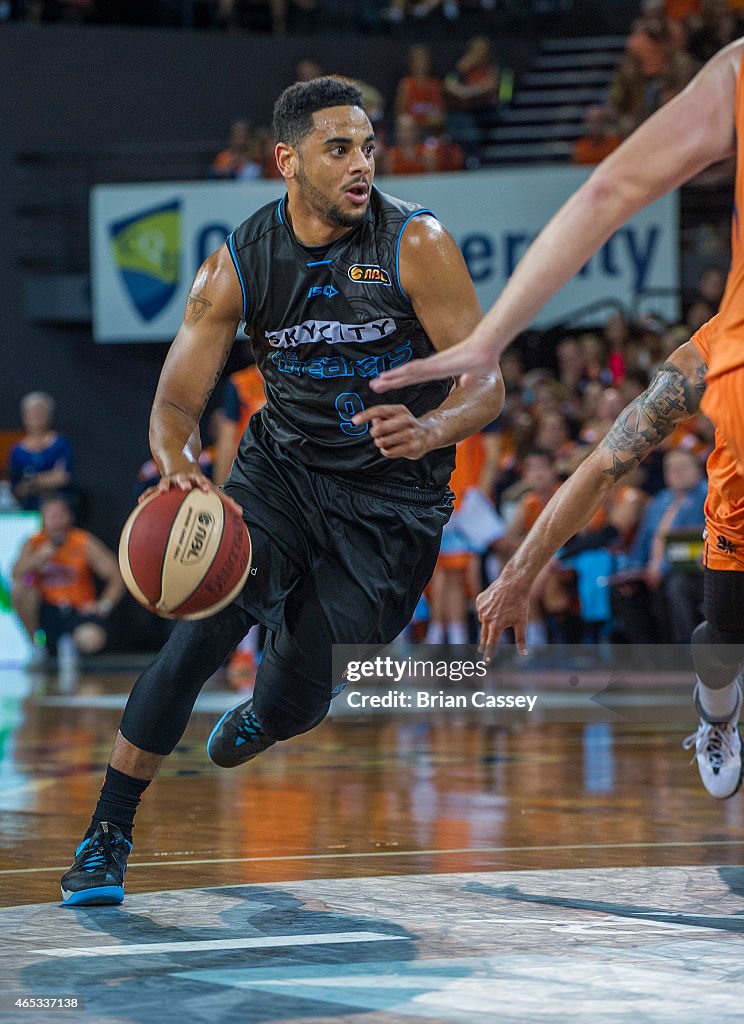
x=163, y=697
x=718, y=642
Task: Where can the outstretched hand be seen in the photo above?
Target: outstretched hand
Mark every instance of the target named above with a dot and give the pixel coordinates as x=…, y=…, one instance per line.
x=470, y=358
x=504, y=603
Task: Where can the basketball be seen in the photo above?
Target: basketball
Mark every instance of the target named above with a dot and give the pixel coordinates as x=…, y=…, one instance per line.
x=185, y=554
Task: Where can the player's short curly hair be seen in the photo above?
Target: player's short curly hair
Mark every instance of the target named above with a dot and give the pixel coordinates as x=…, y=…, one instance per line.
x=293, y=111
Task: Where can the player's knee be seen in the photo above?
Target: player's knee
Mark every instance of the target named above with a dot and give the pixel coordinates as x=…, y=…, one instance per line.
x=281, y=719
x=717, y=657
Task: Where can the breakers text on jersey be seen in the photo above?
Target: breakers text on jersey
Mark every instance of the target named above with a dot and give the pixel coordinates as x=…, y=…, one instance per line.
x=325, y=367
x=332, y=332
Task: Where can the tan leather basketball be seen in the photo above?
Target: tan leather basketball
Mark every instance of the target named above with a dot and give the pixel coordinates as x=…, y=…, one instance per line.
x=185, y=554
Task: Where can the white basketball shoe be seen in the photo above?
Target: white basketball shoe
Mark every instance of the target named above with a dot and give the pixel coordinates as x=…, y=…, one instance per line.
x=718, y=750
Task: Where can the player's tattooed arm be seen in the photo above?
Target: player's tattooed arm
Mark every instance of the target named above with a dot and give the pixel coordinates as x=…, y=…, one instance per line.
x=196, y=308
x=672, y=396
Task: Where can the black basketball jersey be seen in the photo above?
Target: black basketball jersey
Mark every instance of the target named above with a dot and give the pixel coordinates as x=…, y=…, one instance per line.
x=322, y=325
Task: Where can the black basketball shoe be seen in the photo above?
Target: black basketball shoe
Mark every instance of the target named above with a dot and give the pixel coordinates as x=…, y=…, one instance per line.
x=97, y=876
x=237, y=737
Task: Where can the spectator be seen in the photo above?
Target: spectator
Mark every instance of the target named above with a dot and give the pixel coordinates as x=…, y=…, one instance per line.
x=711, y=285
x=41, y=462
x=54, y=592
x=710, y=30
x=628, y=96
x=242, y=160
x=610, y=406
x=548, y=597
x=600, y=137
x=678, y=507
x=553, y=435
x=654, y=39
x=472, y=91
x=409, y=155
x=456, y=578
x=419, y=94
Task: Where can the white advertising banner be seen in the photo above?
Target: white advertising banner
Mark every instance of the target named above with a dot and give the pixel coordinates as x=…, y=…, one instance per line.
x=148, y=241
x=15, y=529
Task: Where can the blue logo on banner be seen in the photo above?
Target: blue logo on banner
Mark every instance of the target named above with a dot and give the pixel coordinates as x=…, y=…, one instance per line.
x=147, y=252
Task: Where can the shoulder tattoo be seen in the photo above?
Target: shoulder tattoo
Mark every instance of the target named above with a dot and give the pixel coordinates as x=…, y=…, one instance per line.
x=196, y=308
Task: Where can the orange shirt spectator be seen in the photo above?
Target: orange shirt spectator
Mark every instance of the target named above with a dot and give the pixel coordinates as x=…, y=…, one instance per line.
x=66, y=578
x=408, y=155
x=419, y=94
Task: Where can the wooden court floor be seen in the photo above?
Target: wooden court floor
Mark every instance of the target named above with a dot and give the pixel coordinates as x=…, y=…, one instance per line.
x=371, y=796
x=447, y=868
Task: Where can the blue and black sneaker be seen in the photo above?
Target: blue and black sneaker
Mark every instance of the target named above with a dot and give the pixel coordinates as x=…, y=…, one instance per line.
x=97, y=876
x=237, y=737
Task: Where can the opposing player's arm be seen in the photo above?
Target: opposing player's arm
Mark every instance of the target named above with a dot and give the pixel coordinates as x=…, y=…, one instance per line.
x=672, y=396
x=192, y=368
x=685, y=136
x=434, y=276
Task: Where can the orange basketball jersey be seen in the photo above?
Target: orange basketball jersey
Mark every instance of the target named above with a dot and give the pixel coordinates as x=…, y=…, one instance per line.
x=66, y=579
x=728, y=352
x=724, y=507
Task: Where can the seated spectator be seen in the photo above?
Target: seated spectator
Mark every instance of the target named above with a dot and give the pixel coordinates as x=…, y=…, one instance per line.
x=600, y=137
x=419, y=94
x=710, y=30
x=609, y=406
x=711, y=286
x=54, y=591
x=409, y=155
x=553, y=435
x=41, y=462
x=549, y=599
x=654, y=39
x=242, y=160
x=628, y=95
x=679, y=506
x=472, y=92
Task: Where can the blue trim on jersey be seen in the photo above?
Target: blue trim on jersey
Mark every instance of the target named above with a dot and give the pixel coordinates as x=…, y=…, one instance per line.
x=416, y=213
x=234, y=255
x=279, y=210
x=319, y=263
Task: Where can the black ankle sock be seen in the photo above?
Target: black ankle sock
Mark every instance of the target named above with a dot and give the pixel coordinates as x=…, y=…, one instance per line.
x=118, y=801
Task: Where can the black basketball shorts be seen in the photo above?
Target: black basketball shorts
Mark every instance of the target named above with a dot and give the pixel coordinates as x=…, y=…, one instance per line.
x=333, y=562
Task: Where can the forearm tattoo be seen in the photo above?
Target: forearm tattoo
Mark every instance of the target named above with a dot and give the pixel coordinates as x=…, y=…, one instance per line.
x=196, y=308
x=669, y=399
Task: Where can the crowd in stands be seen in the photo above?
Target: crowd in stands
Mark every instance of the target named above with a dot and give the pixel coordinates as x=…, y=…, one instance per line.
x=635, y=574
x=432, y=123
x=669, y=42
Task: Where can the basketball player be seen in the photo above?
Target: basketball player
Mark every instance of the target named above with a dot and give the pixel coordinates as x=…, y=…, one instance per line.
x=702, y=125
x=672, y=396
x=345, y=500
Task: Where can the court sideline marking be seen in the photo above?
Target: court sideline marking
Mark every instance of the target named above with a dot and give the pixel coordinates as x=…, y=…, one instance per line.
x=400, y=853
x=205, y=945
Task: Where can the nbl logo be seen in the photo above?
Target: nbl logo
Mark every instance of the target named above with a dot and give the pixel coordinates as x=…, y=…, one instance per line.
x=369, y=274
x=196, y=542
